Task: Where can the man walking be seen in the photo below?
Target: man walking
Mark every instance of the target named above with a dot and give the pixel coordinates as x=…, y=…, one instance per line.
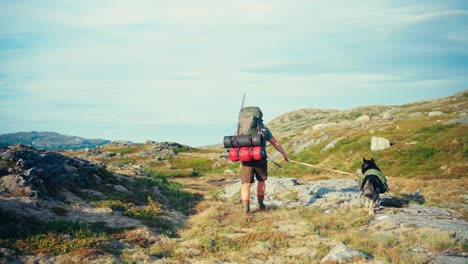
x=259, y=169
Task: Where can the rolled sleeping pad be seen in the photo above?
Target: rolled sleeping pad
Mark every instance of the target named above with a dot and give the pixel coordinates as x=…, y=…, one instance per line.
x=243, y=141
x=257, y=140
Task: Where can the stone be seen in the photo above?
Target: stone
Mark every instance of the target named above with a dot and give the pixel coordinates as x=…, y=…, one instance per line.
x=318, y=126
x=415, y=114
x=379, y=143
x=461, y=120
x=442, y=259
x=229, y=171
x=435, y=113
x=341, y=253
x=388, y=116
x=291, y=192
x=363, y=118
x=120, y=188
x=333, y=143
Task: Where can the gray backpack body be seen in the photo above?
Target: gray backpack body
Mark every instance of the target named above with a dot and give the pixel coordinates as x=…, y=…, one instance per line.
x=250, y=121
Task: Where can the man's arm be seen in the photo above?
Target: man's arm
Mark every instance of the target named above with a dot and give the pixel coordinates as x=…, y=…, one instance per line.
x=278, y=147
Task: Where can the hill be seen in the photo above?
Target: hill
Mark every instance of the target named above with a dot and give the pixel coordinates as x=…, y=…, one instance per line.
x=50, y=140
x=163, y=202
x=424, y=139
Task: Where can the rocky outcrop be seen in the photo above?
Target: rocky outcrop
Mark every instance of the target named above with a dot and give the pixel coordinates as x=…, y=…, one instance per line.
x=291, y=192
x=162, y=150
x=31, y=172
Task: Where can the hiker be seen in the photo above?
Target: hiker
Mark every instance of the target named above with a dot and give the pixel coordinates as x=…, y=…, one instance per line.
x=251, y=123
x=259, y=169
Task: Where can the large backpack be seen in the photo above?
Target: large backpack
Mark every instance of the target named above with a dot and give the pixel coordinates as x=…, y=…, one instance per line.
x=250, y=125
x=250, y=121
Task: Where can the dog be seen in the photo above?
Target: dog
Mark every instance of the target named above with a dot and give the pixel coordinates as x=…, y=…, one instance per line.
x=372, y=185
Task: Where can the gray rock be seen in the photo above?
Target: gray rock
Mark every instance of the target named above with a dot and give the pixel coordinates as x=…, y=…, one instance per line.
x=39, y=171
x=461, y=120
x=379, y=143
x=422, y=216
x=341, y=253
x=318, y=126
x=363, y=118
x=291, y=192
x=388, y=116
x=7, y=156
x=14, y=185
x=443, y=259
x=120, y=188
x=415, y=114
x=435, y=113
x=302, y=144
x=333, y=143
x=229, y=171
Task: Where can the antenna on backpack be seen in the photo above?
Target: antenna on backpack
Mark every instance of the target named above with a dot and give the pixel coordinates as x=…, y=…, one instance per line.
x=242, y=106
x=243, y=98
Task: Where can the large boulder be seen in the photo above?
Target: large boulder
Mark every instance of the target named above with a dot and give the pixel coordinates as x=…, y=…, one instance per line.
x=379, y=143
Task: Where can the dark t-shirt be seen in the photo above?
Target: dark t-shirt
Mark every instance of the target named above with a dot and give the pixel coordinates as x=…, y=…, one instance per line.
x=267, y=133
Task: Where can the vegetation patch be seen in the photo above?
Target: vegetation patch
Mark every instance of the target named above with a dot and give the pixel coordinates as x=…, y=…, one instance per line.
x=148, y=213
x=416, y=156
x=31, y=236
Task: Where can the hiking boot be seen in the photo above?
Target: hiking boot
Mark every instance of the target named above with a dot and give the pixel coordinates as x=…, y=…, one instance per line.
x=246, y=207
x=262, y=206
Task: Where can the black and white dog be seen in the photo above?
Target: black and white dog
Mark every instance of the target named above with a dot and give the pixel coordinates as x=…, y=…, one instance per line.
x=373, y=184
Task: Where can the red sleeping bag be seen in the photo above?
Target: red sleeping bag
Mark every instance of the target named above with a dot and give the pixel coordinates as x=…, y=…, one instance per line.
x=247, y=153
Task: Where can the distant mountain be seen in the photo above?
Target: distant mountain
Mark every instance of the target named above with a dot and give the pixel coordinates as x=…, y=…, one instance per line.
x=50, y=140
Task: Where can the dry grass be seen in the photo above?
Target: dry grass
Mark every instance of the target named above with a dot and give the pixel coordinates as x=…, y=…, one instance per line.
x=221, y=231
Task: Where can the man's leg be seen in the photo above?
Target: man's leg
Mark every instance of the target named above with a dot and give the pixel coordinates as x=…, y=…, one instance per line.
x=245, y=196
x=261, y=186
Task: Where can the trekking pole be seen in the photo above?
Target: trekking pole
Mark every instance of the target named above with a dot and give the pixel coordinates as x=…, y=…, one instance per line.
x=317, y=167
x=279, y=166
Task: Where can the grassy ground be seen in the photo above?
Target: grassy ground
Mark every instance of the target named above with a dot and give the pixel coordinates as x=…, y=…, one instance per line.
x=219, y=230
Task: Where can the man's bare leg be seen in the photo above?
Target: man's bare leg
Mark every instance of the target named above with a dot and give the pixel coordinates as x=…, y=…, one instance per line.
x=245, y=196
x=261, y=186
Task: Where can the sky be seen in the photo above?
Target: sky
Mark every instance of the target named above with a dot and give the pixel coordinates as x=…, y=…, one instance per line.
x=177, y=70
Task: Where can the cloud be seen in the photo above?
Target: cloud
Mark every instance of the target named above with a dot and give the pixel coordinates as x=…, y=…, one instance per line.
x=158, y=68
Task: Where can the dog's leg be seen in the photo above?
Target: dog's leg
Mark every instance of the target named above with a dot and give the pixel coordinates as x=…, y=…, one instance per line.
x=371, y=208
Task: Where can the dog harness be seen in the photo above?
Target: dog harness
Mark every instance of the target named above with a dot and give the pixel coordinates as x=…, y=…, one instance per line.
x=383, y=180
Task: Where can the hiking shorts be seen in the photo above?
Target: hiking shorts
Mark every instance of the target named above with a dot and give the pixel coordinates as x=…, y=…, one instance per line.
x=257, y=168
